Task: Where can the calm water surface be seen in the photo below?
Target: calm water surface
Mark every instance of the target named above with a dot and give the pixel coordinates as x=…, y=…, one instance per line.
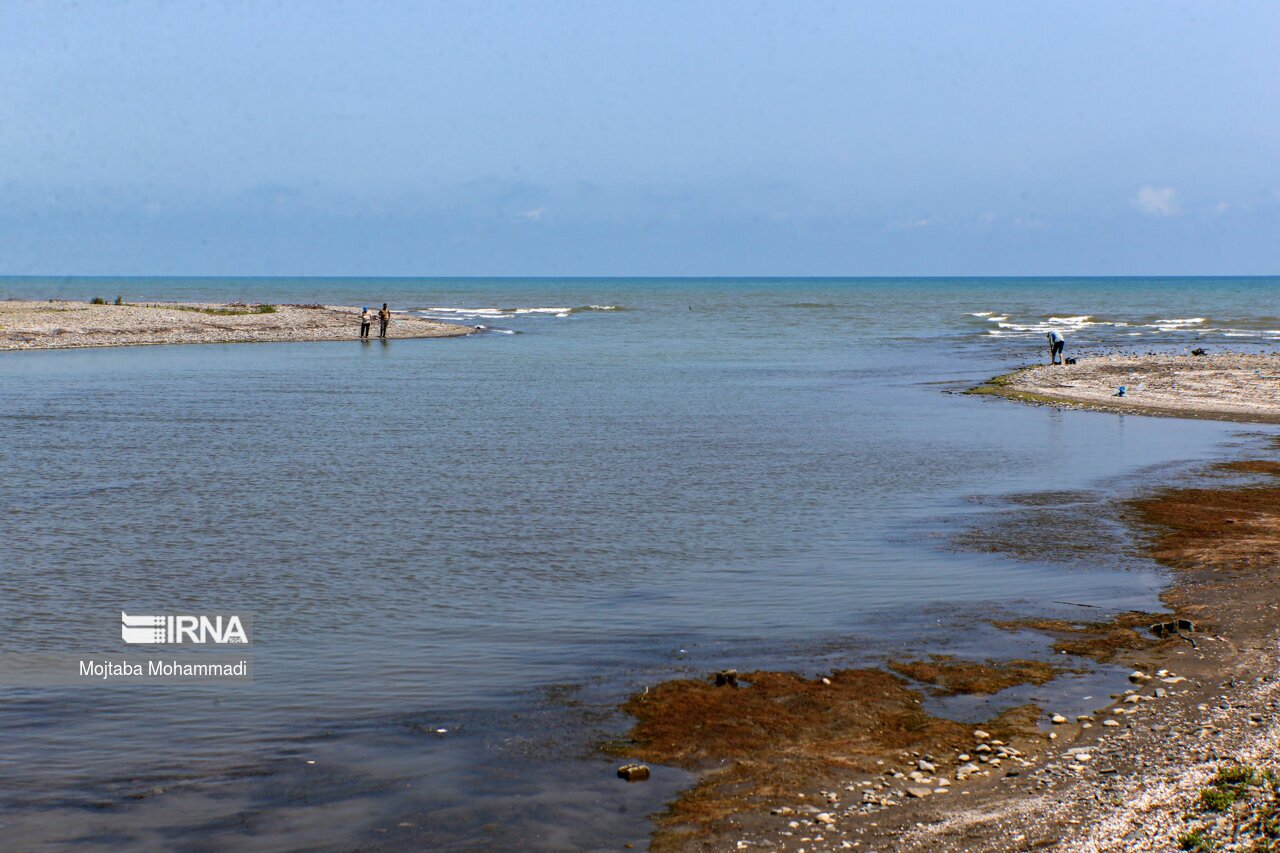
x=461, y=554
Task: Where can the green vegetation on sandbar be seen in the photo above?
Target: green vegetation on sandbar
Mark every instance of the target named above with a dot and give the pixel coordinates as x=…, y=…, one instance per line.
x=1195, y=841
x=1002, y=386
x=218, y=312
x=1249, y=795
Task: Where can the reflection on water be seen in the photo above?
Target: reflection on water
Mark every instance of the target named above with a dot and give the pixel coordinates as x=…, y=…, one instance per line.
x=431, y=534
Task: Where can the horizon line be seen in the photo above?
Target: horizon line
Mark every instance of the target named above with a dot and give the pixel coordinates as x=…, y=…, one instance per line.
x=633, y=277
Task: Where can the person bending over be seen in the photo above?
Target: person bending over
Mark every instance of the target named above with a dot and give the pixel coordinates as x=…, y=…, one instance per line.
x=1056, y=343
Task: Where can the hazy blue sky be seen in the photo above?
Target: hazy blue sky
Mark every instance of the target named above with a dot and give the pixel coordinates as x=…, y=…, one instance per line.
x=564, y=138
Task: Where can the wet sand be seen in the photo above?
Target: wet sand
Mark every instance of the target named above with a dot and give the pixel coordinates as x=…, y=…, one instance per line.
x=1233, y=387
x=851, y=760
x=64, y=325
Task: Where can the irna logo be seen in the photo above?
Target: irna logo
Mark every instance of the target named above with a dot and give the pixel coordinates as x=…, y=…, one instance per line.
x=196, y=630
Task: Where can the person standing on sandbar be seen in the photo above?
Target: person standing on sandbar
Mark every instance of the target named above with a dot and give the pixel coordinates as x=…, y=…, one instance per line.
x=366, y=317
x=384, y=317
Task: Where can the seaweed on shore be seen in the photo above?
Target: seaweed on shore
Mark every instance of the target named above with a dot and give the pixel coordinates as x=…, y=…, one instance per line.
x=1098, y=641
x=1215, y=528
x=950, y=676
x=783, y=734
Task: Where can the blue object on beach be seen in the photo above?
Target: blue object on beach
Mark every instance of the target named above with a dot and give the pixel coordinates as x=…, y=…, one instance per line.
x=1121, y=392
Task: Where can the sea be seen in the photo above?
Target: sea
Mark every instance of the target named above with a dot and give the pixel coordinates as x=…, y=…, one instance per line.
x=459, y=556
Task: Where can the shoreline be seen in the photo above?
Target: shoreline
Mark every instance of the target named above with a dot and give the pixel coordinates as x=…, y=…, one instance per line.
x=38, y=325
x=850, y=760
x=1228, y=387
x=1126, y=776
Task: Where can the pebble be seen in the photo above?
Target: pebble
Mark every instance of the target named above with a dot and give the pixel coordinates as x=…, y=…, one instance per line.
x=1111, y=723
x=633, y=772
x=1057, y=719
x=919, y=792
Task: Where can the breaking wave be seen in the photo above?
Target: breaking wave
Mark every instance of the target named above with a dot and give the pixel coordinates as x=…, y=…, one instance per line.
x=515, y=312
x=1003, y=326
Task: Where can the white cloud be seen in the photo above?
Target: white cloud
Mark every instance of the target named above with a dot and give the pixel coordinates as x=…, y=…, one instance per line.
x=536, y=214
x=1156, y=201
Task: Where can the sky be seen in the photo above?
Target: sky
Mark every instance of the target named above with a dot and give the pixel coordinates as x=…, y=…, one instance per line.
x=657, y=138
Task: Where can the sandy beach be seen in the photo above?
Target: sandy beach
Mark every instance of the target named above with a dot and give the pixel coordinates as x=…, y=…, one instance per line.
x=64, y=325
x=1219, y=387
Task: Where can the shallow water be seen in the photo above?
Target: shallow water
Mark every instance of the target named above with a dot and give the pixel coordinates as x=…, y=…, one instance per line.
x=501, y=536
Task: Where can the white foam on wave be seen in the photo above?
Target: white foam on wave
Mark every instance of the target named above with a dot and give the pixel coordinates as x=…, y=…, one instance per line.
x=980, y=313
x=470, y=312
x=515, y=312
x=1049, y=325
x=1081, y=323
x=1082, y=320
x=1177, y=325
x=1035, y=327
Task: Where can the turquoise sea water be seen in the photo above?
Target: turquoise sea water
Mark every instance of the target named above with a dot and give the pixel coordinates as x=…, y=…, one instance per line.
x=461, y=554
